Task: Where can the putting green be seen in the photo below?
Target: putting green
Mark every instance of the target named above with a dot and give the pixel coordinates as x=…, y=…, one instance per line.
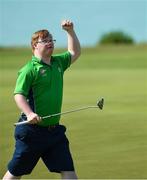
x=106, y=144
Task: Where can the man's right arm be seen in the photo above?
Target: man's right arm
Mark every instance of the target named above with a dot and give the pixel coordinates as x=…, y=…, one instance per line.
x=23, y=105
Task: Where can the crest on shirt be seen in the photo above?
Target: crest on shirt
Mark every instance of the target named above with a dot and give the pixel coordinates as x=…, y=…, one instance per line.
x=59, y=69
x=42, y=72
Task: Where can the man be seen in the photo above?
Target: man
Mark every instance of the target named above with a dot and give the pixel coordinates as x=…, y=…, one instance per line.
x=38, y=93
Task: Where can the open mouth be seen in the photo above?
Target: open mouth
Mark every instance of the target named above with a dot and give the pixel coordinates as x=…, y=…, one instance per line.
x=49, y=47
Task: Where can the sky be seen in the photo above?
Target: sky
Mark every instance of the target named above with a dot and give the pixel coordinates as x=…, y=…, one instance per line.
x=19, y=19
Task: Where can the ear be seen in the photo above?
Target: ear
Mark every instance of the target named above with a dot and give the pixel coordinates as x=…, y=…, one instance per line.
x=35, y=46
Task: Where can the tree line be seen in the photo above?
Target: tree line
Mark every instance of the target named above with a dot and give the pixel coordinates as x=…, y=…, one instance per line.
x=116, y=37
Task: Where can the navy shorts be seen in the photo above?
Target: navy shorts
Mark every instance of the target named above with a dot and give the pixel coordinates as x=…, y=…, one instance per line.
x=34, y=142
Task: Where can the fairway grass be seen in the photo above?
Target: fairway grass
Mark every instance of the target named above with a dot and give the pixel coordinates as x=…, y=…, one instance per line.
x=107, y=144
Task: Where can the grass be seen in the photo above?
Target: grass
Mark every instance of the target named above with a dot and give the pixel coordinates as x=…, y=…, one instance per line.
x=108, y=144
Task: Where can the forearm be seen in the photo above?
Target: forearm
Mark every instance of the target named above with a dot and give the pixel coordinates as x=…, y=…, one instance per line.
x=73, y=44
x=22, y=104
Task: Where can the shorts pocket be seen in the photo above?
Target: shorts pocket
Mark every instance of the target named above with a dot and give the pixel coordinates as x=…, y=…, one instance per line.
x=21, y=133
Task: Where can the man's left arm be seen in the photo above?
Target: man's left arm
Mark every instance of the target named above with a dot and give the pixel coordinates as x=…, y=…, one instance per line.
x=73, y=42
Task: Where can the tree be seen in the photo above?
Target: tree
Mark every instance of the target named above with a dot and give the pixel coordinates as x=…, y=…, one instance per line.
x=116, y=37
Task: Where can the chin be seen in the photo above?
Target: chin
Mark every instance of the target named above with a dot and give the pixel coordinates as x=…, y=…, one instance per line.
x=49, y=52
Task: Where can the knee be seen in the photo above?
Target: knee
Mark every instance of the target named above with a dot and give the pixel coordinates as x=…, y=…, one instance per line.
x=68, y=175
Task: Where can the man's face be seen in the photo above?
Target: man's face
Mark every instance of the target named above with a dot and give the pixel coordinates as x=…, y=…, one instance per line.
x=45, y=46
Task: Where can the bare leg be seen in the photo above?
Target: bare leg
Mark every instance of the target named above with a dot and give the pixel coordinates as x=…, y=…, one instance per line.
x=68, y=175
x=8, y=176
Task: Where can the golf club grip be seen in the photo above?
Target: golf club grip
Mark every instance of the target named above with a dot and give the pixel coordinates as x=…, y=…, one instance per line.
x=21, y=123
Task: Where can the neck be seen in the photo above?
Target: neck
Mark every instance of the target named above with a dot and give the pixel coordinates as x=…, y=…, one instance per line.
x=45, y=59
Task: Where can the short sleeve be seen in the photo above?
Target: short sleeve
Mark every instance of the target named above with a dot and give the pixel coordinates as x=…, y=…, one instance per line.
x=64, y=59
x=24, y=81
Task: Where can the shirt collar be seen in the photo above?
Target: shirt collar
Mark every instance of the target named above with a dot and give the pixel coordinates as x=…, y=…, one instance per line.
x=34, y=58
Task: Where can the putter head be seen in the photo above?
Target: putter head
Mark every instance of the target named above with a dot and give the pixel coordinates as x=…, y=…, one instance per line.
x=100, y=103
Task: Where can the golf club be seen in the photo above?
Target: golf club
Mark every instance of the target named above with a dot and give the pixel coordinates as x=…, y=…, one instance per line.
x=99, y=105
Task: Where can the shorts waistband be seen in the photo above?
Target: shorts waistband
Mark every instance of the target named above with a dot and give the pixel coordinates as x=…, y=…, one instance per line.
x=49, y=127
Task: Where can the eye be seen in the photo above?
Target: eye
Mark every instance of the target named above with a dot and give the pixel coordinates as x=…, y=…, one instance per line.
x=45, y=41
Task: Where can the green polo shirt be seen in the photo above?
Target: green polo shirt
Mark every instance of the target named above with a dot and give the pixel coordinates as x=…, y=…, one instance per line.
x=42, y=85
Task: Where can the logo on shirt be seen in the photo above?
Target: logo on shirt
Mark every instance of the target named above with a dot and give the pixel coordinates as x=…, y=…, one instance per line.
x=59, y=69
x=43, y=72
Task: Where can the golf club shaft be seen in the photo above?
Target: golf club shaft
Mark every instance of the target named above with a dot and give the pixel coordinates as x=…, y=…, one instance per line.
x=67, y=112
x=53, y=115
